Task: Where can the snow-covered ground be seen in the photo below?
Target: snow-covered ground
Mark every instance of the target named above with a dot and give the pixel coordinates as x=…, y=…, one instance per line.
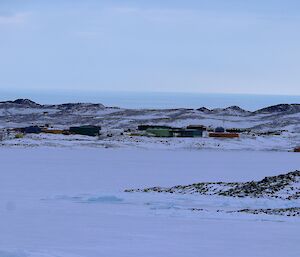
x=285, y=142
x=65, y=195
x=70, y=202
x=283, y=119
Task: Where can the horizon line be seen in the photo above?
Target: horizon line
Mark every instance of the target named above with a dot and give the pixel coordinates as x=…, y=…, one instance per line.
x=145, y=92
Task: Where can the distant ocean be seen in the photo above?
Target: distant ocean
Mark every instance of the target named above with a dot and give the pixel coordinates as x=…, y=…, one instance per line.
x=153, y=100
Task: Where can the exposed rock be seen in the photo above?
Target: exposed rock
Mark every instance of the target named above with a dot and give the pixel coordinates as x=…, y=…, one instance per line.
x=21, y=103
x=231, y=110
x=24, y=112
x=285, y=186
x=289, y=212
x=236, y=109
x=204, y=109
x=80, y=106
x=288, y=108
x=25, y=102
x=294, y=211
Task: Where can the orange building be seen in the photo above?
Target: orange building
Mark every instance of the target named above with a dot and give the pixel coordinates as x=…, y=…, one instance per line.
x=224, y=135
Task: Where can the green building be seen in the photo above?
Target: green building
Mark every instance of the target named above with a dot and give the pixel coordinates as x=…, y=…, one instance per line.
x=87, y=130
x=187, y=133
x=159, y=132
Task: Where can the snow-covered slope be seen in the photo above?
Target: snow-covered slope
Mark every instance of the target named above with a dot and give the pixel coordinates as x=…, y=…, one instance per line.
x=284, y=186
x=278, y=117
x=23, y=112
x=61, y=202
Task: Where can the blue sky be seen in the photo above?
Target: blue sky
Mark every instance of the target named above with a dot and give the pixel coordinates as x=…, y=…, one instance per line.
x=214, y=46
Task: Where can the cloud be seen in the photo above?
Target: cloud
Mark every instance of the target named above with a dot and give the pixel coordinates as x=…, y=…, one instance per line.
x=180, y=15
x=13, y=19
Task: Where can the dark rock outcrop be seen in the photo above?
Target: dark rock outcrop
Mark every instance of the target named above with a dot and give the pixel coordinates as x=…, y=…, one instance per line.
x=204, y=110
x=280, y=108
x=25, y=102
x=290, y=212
x=285, y=186
x=21, y=103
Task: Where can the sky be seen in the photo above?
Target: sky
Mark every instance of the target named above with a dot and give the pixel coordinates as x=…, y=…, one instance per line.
x=213, y=46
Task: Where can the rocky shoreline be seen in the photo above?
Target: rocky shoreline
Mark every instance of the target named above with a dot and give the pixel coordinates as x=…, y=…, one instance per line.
x=290, y=212
x=284, y=186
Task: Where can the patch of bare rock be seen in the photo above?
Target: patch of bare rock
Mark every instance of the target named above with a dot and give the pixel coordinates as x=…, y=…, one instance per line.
x=290, y=212
x=284, y=186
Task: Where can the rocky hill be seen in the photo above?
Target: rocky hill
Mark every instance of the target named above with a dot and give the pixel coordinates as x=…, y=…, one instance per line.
x=19, y=103
x=283, y=120
x=280, y=108
x=285, y=186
